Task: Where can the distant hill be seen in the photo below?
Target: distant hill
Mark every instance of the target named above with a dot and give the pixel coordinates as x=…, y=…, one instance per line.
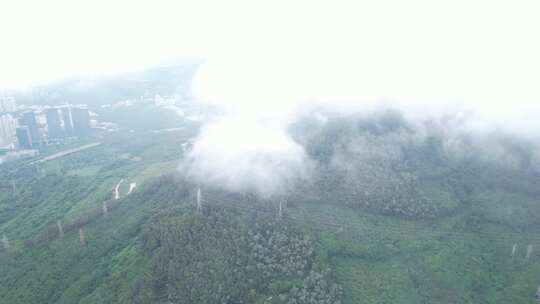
x=164, y=80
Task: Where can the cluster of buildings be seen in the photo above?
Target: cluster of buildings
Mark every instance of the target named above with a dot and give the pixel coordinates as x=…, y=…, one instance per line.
x=59, y=123
x=32, y=129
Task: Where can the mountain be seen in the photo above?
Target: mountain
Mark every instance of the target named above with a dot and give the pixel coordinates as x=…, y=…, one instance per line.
x=393, y=213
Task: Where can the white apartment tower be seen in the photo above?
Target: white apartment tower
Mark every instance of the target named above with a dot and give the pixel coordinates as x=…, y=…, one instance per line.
x=7, y=104
x=8, y=124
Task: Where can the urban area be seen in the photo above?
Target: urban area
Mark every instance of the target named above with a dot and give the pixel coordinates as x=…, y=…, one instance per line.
x=23, y=130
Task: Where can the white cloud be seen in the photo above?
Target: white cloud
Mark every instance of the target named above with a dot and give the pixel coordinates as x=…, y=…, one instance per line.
x=425, y=57
x=267, y=58
x=246, y=156
x=479, y=52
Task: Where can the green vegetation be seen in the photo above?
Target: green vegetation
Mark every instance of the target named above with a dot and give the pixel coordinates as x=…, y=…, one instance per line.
x=387, y=219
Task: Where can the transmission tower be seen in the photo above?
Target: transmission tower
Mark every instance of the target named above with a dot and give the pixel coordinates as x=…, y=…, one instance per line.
x=14, y=187
x=60, y=229
x=5, y=242
x=199, y=204
x=81, y=237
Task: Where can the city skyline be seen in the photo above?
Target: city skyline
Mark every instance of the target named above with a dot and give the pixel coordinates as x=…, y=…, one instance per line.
x=25, y=128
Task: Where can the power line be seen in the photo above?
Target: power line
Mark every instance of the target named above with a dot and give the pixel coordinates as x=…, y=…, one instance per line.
x=341, y=226
x=466, y=236
x=402, y=231
x=402, y=227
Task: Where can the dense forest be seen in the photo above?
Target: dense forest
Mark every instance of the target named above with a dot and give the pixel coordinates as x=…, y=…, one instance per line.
x=388, y=217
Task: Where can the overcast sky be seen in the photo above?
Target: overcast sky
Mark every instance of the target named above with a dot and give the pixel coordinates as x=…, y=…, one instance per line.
x=484, y=53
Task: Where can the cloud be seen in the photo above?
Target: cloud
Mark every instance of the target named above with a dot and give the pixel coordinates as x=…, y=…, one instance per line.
x=479, y=52
x=268, y=61
x=468, y=67
x=246, y=156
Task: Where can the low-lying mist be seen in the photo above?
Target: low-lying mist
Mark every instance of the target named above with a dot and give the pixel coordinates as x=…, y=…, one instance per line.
x=373, y=148
x=278, y=131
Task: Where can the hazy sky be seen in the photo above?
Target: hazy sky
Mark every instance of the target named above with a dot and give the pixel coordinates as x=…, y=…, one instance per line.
x=264, y=59
x=483, y=53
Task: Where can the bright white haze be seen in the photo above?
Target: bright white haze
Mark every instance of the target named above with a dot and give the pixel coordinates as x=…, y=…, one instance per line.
x=265, y=59
x=478, y=53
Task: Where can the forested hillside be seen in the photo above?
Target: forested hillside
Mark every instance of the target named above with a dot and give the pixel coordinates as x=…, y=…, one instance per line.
x=387, y=217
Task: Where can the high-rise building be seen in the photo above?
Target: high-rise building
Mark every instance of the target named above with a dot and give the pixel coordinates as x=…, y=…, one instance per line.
x=54, y=125
x=29, y=120
x=7, y=128
x=24, y=138
x=81, y=121
x=68, y=124
x=7, y=104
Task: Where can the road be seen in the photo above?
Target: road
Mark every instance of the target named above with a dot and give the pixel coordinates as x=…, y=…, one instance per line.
x=131, y=187
x=116, y=192
x=65, y=152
